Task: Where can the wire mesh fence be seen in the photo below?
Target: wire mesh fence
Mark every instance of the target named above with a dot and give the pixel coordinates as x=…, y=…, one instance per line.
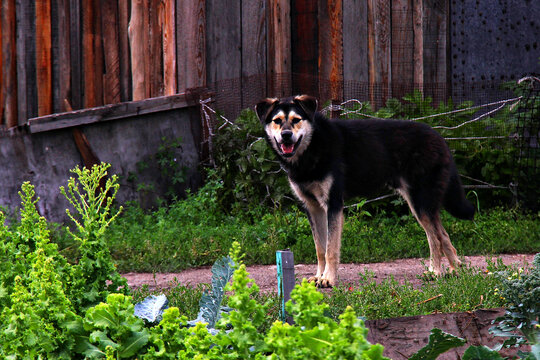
x=492, y=128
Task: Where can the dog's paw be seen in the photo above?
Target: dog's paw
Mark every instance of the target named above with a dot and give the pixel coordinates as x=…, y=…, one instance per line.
x=314, y=279
x=324, y=283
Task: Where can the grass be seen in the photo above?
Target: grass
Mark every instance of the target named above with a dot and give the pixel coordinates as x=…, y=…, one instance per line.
x=185, y=236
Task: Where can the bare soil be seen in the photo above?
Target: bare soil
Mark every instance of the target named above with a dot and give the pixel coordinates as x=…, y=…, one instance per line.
x=266, y=278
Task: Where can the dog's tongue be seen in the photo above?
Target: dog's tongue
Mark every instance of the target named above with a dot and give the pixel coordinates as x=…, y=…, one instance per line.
x=287, y=148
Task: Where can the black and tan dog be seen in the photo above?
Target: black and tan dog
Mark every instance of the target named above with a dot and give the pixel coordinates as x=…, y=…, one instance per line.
x=328, y=161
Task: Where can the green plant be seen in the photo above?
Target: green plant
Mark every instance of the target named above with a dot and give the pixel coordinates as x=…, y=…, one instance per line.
x=250, y=172
x=94, y=275
x=111, y=324
x=521, y=321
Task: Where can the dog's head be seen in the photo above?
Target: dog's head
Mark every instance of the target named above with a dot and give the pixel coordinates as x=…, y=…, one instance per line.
x=288, y=123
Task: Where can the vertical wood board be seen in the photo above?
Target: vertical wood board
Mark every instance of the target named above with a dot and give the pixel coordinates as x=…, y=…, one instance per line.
x=111, y=74
x=279, y=47
x=402, y=47
x=253, y=51
x=379, y=46
x=330, y=50
x=26, y=61
x=75, y=37
x=61, y=54
x=191, y=44
x=43, y=57
x=9, y=66
x=418, y=56
x=355, y=48
x=169, y=47
x=136, y=40
x=123, y=43
x=223, y=40
x=92, y=54
x=305, y=47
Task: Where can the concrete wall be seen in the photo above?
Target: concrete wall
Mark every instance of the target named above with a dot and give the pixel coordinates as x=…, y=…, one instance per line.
x=45, y=158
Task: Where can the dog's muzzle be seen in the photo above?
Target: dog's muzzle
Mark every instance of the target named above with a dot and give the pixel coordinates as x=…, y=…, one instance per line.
x=287, y=145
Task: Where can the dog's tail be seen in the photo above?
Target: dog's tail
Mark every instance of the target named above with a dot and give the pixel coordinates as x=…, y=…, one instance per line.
x=454, y=198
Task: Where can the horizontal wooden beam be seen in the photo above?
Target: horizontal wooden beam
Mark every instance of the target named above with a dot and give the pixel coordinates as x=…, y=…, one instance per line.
x=110, y=112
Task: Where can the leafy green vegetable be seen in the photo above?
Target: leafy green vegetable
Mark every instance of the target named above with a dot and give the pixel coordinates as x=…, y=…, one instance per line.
x=439, y=342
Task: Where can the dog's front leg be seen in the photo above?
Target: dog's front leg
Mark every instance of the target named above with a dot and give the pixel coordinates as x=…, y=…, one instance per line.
x=319, y=227
x=333, y=247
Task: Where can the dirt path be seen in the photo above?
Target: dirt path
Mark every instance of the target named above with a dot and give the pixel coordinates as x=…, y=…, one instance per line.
x=265, y=275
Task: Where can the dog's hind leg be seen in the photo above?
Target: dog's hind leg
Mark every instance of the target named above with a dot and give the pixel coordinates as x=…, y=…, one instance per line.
x=430, y=227
x=448, y=249
x=319, y=228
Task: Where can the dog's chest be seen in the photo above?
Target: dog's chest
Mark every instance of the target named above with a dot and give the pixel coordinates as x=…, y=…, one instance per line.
x=314, y=193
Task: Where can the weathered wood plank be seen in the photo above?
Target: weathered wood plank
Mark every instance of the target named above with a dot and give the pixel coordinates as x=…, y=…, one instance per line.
x=305, y=47
x=435, y=52
x=418, y=56
x=253, y=51
x=111, y=76
x=169, y=47
x=379, y=46
x=75, y=20
x=330, y=50
x=155, y=55
x=136, y=40
x=223, y=39
x=9, y=65
x=61, y=54
x=43, y=57
x=92, y=54
x=279, y=48
x=402, y=47
x=123, y=41
x=26, y=61
x=108, y=112
x=191, y=46
x=355, y=48
x=1, y=67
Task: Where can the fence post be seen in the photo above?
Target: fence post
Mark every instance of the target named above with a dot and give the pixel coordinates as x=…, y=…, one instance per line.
x=286, y=281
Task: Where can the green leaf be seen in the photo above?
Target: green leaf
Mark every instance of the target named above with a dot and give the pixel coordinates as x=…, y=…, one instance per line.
x=481, y=353
x=133, y=344
x=439, y=342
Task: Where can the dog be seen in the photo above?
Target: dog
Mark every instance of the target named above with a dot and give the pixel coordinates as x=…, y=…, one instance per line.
x=329, y=161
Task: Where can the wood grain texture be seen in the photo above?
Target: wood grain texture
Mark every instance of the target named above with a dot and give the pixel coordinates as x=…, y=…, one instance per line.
x=92, y=54
x=154, y=57
x=75, y=53
x=61, y=54
x=402, y=48
x=224, y=40
x=26, y=61
x=111, y=75
x=379, y=45
x=168, y=22
x=305, y=47
x=191, y=46
x=107, y=113
x=253, y=51
x=330, y=50
x=418, y=56
x=123, y=43
x=136, y=40
x=355, y=48
x=2, y=31
x=43, y=57
x=9, y=66
x=279, y=48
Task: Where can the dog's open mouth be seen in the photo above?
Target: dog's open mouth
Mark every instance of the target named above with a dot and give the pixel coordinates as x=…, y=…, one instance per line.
x=288, y=149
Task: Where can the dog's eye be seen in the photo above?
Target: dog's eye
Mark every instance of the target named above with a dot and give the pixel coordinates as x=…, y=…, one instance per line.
x=296, y=120
x=277, y=121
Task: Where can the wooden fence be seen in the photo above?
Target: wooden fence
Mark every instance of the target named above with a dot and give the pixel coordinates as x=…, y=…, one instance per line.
x=62, y=54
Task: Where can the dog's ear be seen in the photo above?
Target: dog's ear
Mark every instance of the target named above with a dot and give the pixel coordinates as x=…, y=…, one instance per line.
x=308, y=103
x=264, y=107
